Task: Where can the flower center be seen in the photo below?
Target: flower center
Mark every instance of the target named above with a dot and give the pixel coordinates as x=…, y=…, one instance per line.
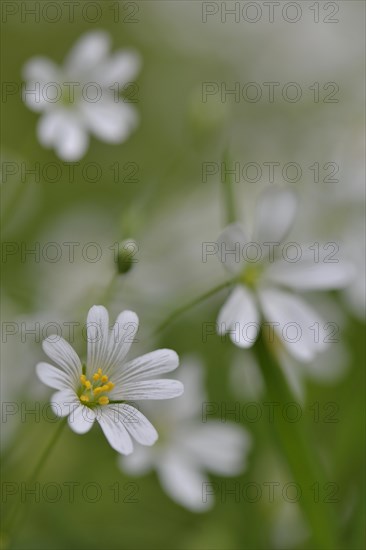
x=69, y=94
x=93, y=392
x=251, y=275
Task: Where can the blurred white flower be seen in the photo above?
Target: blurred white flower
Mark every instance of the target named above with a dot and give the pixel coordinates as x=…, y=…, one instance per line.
x=262, y=284
x=189, y=446
x=99, y=389
x=82, y=96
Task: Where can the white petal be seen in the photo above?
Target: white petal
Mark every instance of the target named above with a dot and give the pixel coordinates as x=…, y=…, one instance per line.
x=138, y=463
x=121, y=337
x=240, y=316
x=121, y=67
x=41, y=69
x=35, y=101
x=72, y=141
x=307, y=275
x=81, y=419
x=53, y=377
x=184, y=482
x=90, y=50
x=295, y=323
x=231, y=243
x=151, y=364
x=150, y=389
x=136, y=424
x=39, y=73
x=274, y=215
x=63, y=355
x=220, y=448
x=65, y=132
x=292, y=372
x=113, y=427
x=49, y=127
x=110, y=121
x=98, y=338
x=64, y=402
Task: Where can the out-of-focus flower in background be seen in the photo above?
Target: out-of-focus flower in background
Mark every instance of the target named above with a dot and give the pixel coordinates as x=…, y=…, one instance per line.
x=82, y=96
x=97, y=390
x=262, y=284
x=190, y=445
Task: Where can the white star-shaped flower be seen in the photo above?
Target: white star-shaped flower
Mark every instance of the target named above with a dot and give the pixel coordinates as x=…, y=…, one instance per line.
x=98, y=390
x=262, y=289
x=191, y=445
x=82, y=96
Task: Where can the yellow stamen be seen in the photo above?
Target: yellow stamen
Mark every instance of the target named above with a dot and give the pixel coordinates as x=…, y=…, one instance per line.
x=93, y=389
x=103, y=400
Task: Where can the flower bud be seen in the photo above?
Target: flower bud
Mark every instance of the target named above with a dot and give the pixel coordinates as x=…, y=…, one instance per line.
x=127, y=252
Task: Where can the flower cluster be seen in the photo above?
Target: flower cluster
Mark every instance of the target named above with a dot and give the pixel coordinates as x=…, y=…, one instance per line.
x=105, y=387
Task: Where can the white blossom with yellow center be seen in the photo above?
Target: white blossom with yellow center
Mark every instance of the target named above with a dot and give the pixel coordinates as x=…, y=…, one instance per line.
x=100, y=389
x=262, y=289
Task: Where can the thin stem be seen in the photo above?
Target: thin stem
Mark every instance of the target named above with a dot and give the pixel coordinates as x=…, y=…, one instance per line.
x=13, y=203
x=47, y=450
x=178, y=312
x=294, y=445
x=14, y=516
x=107, y=294
x=228, y=192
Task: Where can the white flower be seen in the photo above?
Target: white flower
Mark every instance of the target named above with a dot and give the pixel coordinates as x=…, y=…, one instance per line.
x=82, y=95
x=190, y=444
x=99, y=389
x=262, y=286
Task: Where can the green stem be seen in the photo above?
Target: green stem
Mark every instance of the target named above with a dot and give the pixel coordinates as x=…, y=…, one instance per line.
x=8, y=530
x=295, y=446
x=229, y=199
x=107, y=294
x=188, y=306
x=26, y=153
x=47, y=450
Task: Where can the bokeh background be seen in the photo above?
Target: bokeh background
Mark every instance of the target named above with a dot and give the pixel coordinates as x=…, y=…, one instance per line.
x=170, y=210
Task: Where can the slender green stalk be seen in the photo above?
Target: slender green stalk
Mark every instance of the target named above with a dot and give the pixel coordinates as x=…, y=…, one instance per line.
x=13, y=520
x=295, y=446
x=228, y=192
x=107, y=294
x=178, y=312
x=48, y=449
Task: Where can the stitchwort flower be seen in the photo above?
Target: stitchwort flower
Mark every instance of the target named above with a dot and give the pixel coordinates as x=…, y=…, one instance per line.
x=267, y=288
x=100, y=388
x=82, y=96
